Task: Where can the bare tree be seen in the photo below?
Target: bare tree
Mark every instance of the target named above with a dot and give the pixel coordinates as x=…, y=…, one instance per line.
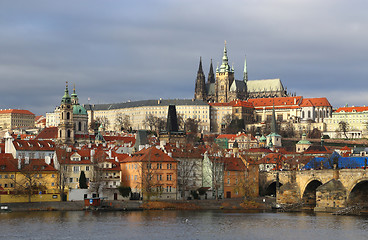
x=63, y=173
x=97, y=182
x=122, y=122
x=287, y=130
x=315, y=133
x=214, y=169
x=161, y=124
x=150, y=178
x=191, y=125
x=344, y=127
x=181, y=123
x=29, y=180
x=188, y=167
x=150, y=121
x=226, y=120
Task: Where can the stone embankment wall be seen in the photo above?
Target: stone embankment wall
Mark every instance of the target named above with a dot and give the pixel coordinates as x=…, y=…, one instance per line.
x=224, y=204
x=70, y=206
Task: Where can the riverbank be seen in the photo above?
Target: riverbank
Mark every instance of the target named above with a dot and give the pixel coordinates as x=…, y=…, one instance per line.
x=225, y=204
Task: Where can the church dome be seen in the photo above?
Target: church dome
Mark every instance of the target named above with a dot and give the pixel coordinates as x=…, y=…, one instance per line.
x=79, y=110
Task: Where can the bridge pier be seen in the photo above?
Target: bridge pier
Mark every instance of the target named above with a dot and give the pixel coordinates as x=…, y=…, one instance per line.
x=330, y=196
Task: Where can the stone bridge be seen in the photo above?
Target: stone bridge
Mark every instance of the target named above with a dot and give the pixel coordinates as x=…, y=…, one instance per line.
x=323, y=190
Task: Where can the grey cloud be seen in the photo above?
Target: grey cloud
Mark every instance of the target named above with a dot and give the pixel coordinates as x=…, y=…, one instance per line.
x=115, y=51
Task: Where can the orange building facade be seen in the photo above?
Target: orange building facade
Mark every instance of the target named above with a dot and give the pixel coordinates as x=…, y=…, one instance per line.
x=234, y=178
x=151, y=174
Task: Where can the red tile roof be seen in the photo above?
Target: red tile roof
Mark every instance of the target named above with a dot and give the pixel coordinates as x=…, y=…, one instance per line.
x=7, y=163
x=34, y=145
x=48, y=133
x=279, y=102
x=19, y=111
x=234, y=164
x=273, y=158
x=123, y=139
x=234, y=103
x=233, y=136
x=64, y=157
x=151, y=154
x=351, y=109
x=38, y=118
x=316, y=102
x=346, y=148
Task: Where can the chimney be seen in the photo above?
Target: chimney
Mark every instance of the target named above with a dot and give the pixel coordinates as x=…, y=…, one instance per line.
x=92, y=154
x=48, y=160
x=19, y=163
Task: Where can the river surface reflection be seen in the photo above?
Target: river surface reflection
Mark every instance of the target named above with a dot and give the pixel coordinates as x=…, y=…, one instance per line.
x=180, y=225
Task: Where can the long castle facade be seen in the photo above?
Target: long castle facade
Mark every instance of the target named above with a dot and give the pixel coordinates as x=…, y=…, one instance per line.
x=225, y=88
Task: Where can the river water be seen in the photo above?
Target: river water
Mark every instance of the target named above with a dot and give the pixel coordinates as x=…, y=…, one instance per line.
x=180, y=225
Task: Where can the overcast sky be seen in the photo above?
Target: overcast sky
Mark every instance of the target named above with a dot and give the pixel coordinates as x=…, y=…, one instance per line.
x=116, y=51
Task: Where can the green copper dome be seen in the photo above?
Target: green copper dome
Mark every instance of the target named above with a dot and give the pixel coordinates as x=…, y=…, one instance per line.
x=304, y=141
x=262, y=139
x=79, y=110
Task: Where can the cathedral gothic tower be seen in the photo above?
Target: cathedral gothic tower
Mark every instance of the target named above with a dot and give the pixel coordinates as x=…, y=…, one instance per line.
x=200, y=92
x=65, y=128
x=224, y=79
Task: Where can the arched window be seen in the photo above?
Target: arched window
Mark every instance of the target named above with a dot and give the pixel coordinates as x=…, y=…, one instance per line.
x=79, y=126
x=309, y=114
x=60, y=133
x=68, y=115
x=62, y=115
x=303, y=114
x=68, y=133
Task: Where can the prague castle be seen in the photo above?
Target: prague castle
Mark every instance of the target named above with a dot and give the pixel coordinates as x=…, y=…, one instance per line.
x=225, y=88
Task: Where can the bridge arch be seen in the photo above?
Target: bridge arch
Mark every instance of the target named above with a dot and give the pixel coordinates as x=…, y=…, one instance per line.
x=270, y=188
x=358, y=192
x=309, y=192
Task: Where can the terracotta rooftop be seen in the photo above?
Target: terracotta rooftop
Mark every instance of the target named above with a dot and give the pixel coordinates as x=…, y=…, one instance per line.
x=151, y=154
x=277, y=102
x=19, y=111
x=316, y=102
x=352, y=109
x=48, y=133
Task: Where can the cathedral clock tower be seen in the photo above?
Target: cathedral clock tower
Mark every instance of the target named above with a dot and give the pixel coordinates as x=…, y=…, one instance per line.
x=224, y=79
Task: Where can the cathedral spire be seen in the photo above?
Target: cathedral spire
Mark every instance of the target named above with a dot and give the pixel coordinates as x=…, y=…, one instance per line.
x=200, y=69
x=273, y=120
x=245, y=73
x=211, y=76
x=225, y=61
x=200, y=86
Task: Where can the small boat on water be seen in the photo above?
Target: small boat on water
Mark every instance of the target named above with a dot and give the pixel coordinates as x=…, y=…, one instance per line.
x=4, y=209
